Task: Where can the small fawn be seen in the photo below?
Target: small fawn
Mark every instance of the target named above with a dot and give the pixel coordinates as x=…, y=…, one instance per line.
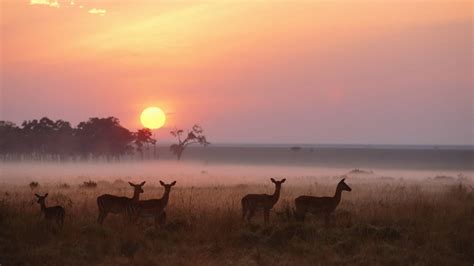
x=153, y=208
x=256, y=202
x=320, y=205
x=55, y=213
x=115, y=204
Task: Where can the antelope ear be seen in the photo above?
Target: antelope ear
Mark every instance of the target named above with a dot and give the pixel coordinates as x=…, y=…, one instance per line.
x=142, y=183
x=131, y=184
x=273, y=180
x=283, y=181
x=37, y=195
x=162, y=183
x=45, y=195
x=174, y=183
x=343, y=179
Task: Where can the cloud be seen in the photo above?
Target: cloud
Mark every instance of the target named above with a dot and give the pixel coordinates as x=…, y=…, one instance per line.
x=55, y=3
x=51, y=3
x=97, y=11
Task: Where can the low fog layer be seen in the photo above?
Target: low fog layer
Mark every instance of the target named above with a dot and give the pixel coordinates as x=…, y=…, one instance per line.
x=198, y=174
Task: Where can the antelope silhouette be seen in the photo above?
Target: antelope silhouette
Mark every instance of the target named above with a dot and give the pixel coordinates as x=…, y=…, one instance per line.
x=256, y=202
x=55, y=213
x=114, y=204
x=320, y=205
x=153, y=208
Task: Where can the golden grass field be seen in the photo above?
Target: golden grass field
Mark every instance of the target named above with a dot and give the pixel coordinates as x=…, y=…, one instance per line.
x=382, y=221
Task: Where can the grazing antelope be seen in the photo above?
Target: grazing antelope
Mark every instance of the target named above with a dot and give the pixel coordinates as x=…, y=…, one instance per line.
x=318, y=205
x=115, y=204
x=256, y=202
x=55, y=213
x=153, y=208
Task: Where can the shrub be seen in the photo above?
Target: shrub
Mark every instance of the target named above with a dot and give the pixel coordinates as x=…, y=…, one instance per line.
x=89, y=184
x=443, y=178
x=64, y=186
x=360, y=171
x=34, y=185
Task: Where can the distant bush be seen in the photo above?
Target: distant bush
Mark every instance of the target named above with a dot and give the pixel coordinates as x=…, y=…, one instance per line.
x=64, y=186
x=34, y=185
x=443, y=178
x=360, y=171
x=89, y=184
x=296, y=148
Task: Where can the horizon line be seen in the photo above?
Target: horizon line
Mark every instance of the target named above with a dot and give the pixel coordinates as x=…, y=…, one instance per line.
x=329, y=145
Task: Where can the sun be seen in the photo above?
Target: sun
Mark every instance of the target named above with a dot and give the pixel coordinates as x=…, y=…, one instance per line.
x=153, y=118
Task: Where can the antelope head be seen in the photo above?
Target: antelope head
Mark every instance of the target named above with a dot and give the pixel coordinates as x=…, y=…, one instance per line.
x=167, y=186
x=137, y=188
x=278, y=183
x=343, y=186
x=41, y=199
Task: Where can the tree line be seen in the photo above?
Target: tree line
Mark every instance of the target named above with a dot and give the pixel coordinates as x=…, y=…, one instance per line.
x=94, y=139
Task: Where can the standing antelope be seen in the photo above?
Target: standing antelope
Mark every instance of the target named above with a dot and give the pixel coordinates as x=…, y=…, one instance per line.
x=55, y=213
x=256, y=202
x=153, y=208
x=115, y=204
x=318, y=205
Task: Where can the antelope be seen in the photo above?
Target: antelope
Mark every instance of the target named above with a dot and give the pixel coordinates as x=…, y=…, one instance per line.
x=115, y=204
x=256, y=202
x=153, y=208
x=318, y=205
x=55, y=213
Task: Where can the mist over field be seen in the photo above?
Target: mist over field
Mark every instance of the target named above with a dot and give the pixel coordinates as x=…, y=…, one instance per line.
x=415, y=203
x=239, y=165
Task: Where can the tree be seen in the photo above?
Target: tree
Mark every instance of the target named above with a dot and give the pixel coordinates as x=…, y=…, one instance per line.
x=65, y=143
x=46, y=139
x=194, y=136
x=10, y=139
x=104, y=137
x=143, y=137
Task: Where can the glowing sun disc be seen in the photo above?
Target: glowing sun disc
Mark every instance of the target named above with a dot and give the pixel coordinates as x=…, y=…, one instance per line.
x=153, y=118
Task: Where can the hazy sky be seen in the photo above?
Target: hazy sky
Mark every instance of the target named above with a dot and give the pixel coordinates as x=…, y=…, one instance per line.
x=353, y=72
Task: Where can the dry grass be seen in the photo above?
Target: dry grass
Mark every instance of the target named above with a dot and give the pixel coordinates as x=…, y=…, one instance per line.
x=380, y=222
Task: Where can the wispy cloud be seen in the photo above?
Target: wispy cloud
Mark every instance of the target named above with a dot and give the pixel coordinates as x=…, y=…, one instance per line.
x=51, y=3
x=97, y=11
x=56, y=4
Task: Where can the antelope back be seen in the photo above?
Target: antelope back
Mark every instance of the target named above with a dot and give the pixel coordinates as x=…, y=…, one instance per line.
x=113, y=203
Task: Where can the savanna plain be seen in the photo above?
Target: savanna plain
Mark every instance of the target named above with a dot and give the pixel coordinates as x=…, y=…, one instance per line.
x=389, y=218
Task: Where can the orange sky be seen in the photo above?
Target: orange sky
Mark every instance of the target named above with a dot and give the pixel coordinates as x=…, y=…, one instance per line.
x=389, y=72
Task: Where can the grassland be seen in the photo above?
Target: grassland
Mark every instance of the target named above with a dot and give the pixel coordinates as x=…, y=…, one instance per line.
x=382, y=221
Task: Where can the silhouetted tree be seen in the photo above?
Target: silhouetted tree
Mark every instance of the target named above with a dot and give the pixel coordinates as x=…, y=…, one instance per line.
x=10, y=140
x=39, y=137
x=104, y=137
x=65, y=144
x=193, y=136
x=45, y=139
x=143, y=137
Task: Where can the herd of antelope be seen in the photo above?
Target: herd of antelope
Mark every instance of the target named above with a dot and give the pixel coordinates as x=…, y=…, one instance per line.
x=135, y=208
